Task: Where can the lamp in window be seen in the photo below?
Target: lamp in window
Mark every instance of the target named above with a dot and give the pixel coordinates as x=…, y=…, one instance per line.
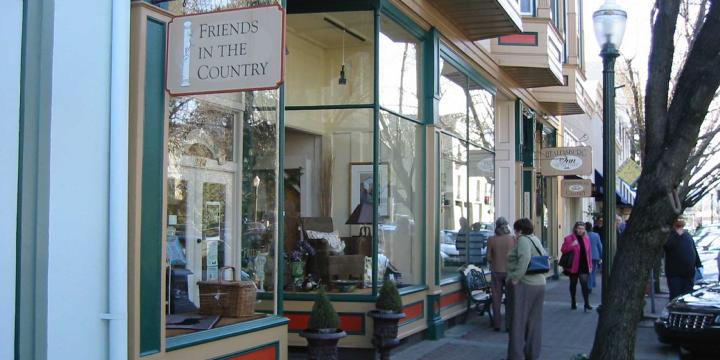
x=362, y=215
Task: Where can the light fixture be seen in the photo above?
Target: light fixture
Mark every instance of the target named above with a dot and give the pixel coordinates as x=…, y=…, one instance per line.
x=343, y=79
x=609, y=22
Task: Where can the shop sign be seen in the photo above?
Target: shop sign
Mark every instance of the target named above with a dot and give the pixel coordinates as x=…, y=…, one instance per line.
x=576, y=188
x=629, y=171
x=226, y=51
x=482, y=163
x=566, y=161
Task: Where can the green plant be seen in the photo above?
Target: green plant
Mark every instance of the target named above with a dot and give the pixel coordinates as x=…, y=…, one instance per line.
x=323, y=315
x=389, y=298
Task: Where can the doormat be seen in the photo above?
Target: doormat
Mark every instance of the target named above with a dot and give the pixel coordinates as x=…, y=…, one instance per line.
x=191, y=322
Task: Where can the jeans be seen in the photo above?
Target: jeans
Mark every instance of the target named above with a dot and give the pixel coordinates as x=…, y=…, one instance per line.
x=679, y=285
x=591, y=281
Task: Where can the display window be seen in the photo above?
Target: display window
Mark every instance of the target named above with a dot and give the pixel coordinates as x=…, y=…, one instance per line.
x=466, y=211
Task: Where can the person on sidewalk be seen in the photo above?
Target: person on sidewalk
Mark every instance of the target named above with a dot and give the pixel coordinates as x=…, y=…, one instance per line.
x=597, y=249
x=498, y=248
x=526, y=296
x=681, y=260
x=579, y=244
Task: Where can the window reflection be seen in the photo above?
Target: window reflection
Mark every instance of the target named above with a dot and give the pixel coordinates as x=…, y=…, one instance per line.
x=400, y=70
x=453, y=105
x=453, y=211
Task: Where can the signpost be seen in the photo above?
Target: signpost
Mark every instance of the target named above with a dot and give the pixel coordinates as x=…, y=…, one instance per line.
x=226, y=51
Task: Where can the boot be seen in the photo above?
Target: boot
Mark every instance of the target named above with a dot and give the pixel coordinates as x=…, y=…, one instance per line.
x=573, y=304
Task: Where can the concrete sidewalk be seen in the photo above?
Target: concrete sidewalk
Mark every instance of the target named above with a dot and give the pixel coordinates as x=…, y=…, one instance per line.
x=565, y=333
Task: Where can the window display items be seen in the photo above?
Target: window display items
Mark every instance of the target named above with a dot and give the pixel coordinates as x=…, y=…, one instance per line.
x=260, y=261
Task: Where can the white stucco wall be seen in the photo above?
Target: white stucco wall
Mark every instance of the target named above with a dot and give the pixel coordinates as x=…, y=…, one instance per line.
x=10, y=38
x=505, y=179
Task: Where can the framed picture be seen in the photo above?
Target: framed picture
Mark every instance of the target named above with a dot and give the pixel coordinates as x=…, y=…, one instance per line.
x=361, y=186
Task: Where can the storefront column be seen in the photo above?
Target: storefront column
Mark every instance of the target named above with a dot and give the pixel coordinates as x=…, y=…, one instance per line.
x=505, y=160
x=11, y=26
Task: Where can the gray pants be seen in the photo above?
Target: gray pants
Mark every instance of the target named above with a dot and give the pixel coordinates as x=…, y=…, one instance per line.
x=526, y=307
x=498, y=287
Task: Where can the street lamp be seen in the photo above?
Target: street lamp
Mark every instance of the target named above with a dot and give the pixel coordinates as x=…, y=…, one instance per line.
x=609, y=22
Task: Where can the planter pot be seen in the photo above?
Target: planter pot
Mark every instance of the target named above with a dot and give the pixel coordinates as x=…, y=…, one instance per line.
x=322, y=345
x=385, y=331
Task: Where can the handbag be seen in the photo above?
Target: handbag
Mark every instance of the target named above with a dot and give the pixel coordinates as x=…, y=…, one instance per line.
x=566, y=261
x=538, y=264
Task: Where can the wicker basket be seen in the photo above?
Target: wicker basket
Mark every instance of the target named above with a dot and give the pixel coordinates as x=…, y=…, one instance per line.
x=227, y=298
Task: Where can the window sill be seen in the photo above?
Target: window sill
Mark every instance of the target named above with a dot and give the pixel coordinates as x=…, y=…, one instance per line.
x=450, y=280
x=202, y=337
x=412, y=289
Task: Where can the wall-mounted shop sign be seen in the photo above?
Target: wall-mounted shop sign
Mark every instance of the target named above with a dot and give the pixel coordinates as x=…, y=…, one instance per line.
x=566, y=161
x=576, y=188
x=226, y=51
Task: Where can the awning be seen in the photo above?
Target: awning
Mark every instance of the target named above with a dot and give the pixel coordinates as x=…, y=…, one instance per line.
x=625, y=194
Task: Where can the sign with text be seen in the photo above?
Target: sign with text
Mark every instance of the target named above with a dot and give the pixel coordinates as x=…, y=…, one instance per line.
x=629, y=171
x=576, y=188
x=566, y=161
x=226, y=51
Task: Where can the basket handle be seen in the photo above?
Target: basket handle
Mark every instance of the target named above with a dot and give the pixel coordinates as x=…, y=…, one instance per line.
x=221, y=276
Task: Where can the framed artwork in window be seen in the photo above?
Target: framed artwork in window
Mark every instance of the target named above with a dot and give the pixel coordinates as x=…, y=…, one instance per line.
x=361, y=186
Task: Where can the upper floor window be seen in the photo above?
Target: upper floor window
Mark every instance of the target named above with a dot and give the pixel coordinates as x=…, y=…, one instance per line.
x=527, y=7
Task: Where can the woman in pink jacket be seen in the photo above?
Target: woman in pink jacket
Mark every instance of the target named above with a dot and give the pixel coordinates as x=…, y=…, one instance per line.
x=579, y=244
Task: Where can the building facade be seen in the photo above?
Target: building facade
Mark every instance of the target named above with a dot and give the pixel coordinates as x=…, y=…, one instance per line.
x=402, y=130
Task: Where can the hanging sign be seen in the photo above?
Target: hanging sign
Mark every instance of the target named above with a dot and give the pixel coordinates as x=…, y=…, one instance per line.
x=576, y=188
x=226, y=51
x=629, y=171
x=566, y=161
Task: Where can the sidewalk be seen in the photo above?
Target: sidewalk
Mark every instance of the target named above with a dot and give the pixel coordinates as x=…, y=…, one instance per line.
x=476, y=339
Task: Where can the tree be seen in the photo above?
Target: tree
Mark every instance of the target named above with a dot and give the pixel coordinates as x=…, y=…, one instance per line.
x=673, y=120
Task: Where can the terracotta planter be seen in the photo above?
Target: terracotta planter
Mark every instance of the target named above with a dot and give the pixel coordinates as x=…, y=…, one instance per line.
x=322, y=345
x=385, y=331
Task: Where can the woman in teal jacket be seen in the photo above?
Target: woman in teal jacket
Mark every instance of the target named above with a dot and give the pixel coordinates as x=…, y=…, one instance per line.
x=527, y=294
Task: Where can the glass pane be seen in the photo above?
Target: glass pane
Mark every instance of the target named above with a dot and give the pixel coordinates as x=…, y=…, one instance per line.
x=453, y=212
x=526, y=7
x=453, y=100
x=330, y=58
x=481, y=165
x=203, y=6
x=221, y=203
x=401, y=70
x=401, y=223
x=328, y=200
x=482, y=117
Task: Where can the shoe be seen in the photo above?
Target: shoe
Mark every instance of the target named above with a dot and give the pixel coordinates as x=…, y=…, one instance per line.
x=573, y=307
x=497, y=329
x=587, y=307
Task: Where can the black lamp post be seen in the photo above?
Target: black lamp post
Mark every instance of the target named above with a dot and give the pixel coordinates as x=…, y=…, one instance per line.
x=609, y=22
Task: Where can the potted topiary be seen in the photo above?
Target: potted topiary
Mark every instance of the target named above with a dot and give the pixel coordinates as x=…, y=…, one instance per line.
x=323, y=331
x=387, y=314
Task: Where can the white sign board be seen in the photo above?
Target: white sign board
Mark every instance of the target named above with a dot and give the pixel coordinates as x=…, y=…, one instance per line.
x=577, y=188
x=566, y=161
x=226, y=51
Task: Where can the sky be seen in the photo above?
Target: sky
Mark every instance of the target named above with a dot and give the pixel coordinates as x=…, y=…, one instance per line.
x=636, y=43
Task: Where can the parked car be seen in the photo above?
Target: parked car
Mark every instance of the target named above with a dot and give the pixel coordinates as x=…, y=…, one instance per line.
x=692, y=321
x=454, y=247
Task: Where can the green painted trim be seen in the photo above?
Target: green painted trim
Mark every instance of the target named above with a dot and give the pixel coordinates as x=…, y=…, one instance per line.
x=275, y=344
x=435, y=323
x=315, y=6
x=356, y=333
x=423, y=218
x=403, y=20
x=202, y=337
x=328, y=107
x=437, y=207
x=528, y=135
x=527, y=181
x=280, y=241
x=403, y=117
x=152, y=190
x=431, y=76
x=376, y=150
x=458, y=62
x=518, y=129
x=410, y=321
x=404, y=291
x=333, y=297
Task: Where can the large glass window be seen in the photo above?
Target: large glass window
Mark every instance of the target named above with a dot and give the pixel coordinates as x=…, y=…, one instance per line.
x=221, y=209
x=401, y=216
x=467, y=169
x=400, y=69
x=330, y=58
x=527, y=7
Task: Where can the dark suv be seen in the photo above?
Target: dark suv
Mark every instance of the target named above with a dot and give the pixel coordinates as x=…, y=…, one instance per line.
x=692, y=321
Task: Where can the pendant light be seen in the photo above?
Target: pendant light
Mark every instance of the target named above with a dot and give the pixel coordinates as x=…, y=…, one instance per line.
x=343, y=79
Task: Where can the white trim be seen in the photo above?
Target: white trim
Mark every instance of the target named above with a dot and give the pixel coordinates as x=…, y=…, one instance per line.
x=11, y=38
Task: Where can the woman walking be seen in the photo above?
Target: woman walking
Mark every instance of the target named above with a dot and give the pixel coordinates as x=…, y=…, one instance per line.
x=526, y=296
x=578, y=243
x=498, y=248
